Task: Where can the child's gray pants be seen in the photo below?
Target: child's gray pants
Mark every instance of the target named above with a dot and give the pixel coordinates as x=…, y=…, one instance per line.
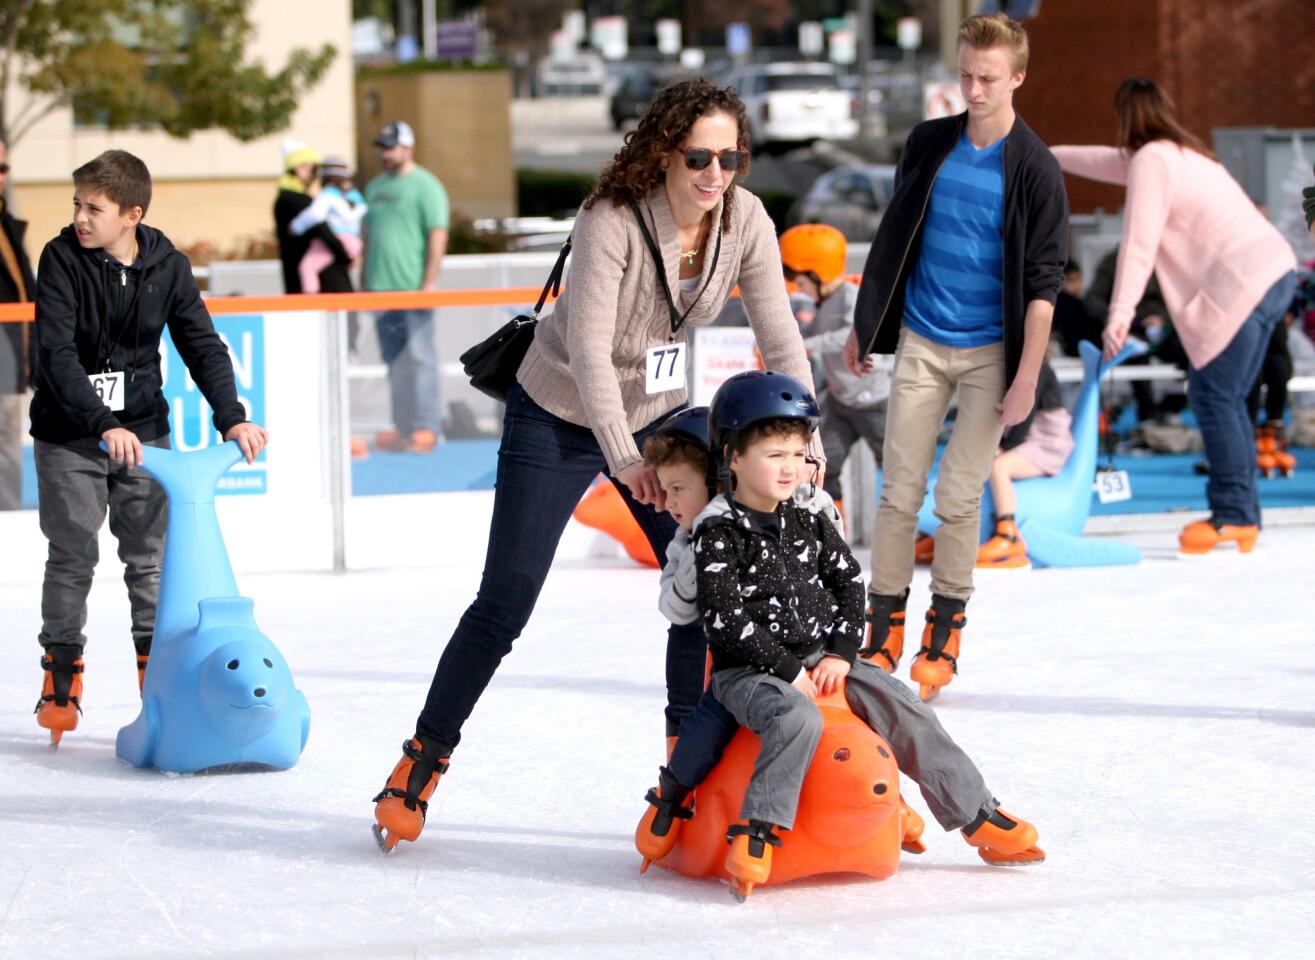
x=790, y=725
x=76, y=484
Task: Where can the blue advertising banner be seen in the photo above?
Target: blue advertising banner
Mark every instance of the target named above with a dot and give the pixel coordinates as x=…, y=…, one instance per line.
x=190, y=414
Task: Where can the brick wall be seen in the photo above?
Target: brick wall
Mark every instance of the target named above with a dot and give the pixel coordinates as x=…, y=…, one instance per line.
x=1226, y=63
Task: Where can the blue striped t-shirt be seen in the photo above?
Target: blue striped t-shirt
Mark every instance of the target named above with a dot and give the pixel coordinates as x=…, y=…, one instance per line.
x=955, y=294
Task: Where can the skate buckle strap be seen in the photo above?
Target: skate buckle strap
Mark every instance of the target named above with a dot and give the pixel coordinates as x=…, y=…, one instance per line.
x=668, y=807
x=426, y=767
x=759, y=837
x=895, y=618
x=940, y=636
x=62, y=680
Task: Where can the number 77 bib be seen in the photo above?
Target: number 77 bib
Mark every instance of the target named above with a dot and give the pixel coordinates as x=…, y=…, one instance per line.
x=665, y=368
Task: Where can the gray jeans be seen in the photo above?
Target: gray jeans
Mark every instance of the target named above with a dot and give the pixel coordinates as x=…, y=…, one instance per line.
x=790, y=726
x=76, y=483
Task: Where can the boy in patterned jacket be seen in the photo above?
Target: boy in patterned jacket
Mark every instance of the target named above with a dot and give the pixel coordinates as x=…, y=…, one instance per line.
x=782, y=603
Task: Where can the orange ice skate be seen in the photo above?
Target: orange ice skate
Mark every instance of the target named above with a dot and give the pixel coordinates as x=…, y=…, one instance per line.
x=660, y=825
x=400, y=808
x=1006, y=549
x=1001, y=838
x=1204, y=535
x=749, y=861
x=884, y=643
x=61, y=691
x=938, y=659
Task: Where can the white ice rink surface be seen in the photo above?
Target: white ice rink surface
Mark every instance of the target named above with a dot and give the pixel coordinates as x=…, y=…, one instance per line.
x=1155, y=722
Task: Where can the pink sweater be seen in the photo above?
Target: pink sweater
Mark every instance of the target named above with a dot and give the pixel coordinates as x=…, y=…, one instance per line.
x=1187, y=219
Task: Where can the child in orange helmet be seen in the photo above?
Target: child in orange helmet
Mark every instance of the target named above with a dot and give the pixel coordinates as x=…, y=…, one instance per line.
x=853, y=408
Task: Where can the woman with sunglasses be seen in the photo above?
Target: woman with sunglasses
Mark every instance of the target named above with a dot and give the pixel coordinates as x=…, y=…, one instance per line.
x=605, y=367
x=1227, y=276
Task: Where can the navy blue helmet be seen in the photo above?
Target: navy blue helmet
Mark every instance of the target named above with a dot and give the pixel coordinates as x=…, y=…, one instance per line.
x=688, y=422
x=753, y=396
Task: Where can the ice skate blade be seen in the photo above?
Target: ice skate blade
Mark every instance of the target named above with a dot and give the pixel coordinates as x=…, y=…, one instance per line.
x=1024, y=858
x=927, y=692
x=55, y=737
x=643, y=867
x=386, y=841
x=740, y=889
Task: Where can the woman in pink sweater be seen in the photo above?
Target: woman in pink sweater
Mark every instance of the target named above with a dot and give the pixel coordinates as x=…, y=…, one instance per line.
x=1227, y=276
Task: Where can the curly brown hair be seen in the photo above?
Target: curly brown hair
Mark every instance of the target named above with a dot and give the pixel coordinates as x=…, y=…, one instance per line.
x=637, y=167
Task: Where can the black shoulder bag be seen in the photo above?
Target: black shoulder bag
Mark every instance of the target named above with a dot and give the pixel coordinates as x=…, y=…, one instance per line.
x=491, y=364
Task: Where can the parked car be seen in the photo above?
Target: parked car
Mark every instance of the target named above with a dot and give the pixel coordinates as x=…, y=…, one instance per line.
x=581, y=75
x=791, y=103
x=637, y=89
x=850, y=198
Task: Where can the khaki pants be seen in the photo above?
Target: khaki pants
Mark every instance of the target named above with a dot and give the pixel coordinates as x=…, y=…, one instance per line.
x=925, y=377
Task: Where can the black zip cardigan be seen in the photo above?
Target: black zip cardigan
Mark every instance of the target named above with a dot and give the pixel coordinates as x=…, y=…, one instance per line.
x=1035, y=234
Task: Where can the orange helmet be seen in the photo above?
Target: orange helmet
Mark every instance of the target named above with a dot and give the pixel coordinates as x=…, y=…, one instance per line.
x=814, y=248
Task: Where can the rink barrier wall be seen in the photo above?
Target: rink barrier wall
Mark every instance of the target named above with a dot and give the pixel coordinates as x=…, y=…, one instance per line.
x=310, y=462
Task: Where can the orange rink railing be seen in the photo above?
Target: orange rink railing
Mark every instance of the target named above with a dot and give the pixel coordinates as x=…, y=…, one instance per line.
x=392, y=300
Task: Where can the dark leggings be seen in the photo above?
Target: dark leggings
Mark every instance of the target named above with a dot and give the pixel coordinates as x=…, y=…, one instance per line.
x=545, y=464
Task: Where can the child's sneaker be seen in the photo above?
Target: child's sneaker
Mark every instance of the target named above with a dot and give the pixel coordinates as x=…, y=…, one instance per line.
x=938, y=658
x=1002, y=838
x=750, y=859
x=660, y=825
x=61, y=690
x=885, y=630
x=399, y=809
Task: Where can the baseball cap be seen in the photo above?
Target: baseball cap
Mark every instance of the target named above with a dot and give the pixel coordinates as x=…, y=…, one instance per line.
x=397, y=134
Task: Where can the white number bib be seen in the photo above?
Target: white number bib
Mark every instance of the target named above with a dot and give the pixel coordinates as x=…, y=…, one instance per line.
x=665, y=368
x=109, y=387
x=1111, y=486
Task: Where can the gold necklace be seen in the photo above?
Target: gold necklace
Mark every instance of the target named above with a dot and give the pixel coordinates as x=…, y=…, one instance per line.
x=689, y=256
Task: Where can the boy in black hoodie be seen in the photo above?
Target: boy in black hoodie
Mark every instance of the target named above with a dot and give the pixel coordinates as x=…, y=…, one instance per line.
x=107, y=287
x=782, y=603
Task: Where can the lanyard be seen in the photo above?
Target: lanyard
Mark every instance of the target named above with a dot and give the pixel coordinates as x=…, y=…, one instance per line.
x=677, y=318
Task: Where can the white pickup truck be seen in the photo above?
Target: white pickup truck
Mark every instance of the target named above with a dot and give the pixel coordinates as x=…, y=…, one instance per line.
x=794, y=103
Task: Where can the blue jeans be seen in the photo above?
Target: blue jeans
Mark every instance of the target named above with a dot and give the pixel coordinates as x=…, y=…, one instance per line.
x=406, y=340
x=1218, y=393
x=704, y=736
x=545, y=465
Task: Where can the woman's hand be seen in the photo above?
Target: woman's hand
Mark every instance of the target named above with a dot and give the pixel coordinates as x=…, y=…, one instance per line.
x=1115, y=334
x=642, y=482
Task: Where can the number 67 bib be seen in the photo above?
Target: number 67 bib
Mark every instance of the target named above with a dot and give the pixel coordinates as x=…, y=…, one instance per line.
x=109, y=386
x=665, y=368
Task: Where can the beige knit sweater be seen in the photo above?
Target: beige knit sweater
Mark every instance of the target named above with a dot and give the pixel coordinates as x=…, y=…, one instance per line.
x=587, y=362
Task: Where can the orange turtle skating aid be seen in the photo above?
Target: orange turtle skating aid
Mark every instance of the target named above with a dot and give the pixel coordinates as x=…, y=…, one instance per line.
x=1204, y=535
x=1006, y=549
x=884, y=642
x=938, y=659
x=399, y=809
x=61, y=691
x=749, y=861
x=1001, y=838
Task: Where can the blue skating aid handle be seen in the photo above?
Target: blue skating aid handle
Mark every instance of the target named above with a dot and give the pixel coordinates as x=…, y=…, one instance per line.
x=196, y=565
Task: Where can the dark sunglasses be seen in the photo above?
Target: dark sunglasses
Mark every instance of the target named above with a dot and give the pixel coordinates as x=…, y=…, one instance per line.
x=4, y=168
x=700, y=158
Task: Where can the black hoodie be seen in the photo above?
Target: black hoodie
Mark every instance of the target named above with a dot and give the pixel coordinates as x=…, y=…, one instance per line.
x=94, y=314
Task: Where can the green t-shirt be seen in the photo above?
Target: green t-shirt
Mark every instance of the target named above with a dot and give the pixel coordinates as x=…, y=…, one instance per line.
x=403, y=209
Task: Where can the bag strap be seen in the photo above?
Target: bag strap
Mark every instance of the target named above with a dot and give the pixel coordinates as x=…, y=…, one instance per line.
x=677, y=318
x=554, y=283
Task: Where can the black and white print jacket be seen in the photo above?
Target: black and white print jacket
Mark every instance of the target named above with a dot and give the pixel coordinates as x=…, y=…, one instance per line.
x=775, y=588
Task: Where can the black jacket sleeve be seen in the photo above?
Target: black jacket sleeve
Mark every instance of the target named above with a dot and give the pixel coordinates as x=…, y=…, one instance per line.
x=199, y=345
x=731, y=626
x=842, y=577
x=57, y=348
x=1047, y=230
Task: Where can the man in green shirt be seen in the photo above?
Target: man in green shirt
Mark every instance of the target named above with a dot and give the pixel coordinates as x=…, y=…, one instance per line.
x=405, y=239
